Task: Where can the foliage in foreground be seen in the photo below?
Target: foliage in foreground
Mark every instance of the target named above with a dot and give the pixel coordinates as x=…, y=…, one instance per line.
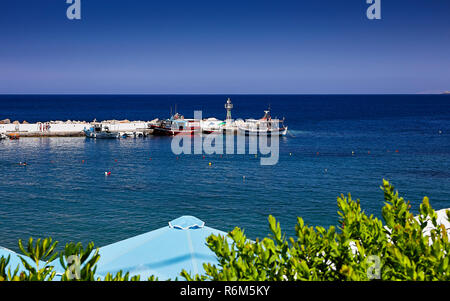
x=78, y=263
x=360, y=248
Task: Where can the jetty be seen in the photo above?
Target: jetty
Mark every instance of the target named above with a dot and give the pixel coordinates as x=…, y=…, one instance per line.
x=125, y=128
x=70, y=128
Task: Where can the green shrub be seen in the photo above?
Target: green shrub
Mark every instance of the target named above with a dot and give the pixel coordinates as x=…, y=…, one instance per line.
x=79, y=263
x=41, y=252
x=5, y=274
x=361, y=248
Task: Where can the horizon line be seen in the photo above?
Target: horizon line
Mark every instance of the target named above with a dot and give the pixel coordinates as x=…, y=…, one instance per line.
x=219, y=94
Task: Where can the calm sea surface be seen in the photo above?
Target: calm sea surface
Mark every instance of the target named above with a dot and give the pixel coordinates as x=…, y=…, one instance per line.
x=60, y=196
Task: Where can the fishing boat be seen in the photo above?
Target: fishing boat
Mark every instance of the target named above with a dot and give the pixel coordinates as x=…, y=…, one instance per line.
x=264, y=126
x=100, y=132
x=176, y=125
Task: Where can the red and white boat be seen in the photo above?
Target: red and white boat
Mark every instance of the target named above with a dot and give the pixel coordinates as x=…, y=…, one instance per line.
x=176, y=125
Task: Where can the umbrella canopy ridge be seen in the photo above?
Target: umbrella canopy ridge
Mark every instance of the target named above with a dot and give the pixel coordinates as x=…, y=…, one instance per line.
x=163, y=253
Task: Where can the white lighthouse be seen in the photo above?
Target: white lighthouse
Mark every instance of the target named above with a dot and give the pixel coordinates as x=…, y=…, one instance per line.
x=228, y=106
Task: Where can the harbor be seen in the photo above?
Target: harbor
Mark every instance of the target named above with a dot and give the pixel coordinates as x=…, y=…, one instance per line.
x=176, y=124
x=121, y=192
x=329, y=153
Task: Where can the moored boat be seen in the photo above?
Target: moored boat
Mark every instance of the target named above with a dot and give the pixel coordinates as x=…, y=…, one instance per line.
x=14, y=136
x=264, y=126
x=176, y=125
x=212, y=126
x=100, y=132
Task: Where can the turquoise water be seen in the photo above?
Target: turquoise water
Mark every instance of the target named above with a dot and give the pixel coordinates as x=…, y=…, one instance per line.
x=64, y=193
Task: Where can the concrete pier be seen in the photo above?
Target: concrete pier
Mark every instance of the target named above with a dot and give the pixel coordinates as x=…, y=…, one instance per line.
x=76, y=128
x=70, y=128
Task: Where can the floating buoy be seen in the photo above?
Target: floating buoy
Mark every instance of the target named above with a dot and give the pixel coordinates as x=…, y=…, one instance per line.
x=290, y=154
x=243, y=178
x=177, y=157
x=149, y=158
x=353, y=153
x=396, y=150
x=107, y=173
x=440, y=132
x=326, y=170
x=82, y=161
x=115, y=160
x=210, y=163
x=203, y=157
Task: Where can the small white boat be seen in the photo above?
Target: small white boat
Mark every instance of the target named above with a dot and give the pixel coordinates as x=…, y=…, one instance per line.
x=212, y=125
x=264, y=126
x=100, y=132
x=126, y=134
x=3, y=136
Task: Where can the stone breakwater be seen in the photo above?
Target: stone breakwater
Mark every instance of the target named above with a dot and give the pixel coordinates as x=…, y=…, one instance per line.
x=68, y=128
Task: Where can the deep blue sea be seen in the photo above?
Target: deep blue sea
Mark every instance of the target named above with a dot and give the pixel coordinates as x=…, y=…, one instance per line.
x=402, y=138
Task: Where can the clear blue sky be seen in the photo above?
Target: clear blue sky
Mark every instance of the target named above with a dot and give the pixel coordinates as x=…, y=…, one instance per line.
x=231, y=47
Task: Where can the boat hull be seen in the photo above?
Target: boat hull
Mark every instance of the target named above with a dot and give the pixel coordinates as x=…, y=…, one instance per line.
x=158, y=131
x=277, y=132
x=101, y=135
x=207, y=131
